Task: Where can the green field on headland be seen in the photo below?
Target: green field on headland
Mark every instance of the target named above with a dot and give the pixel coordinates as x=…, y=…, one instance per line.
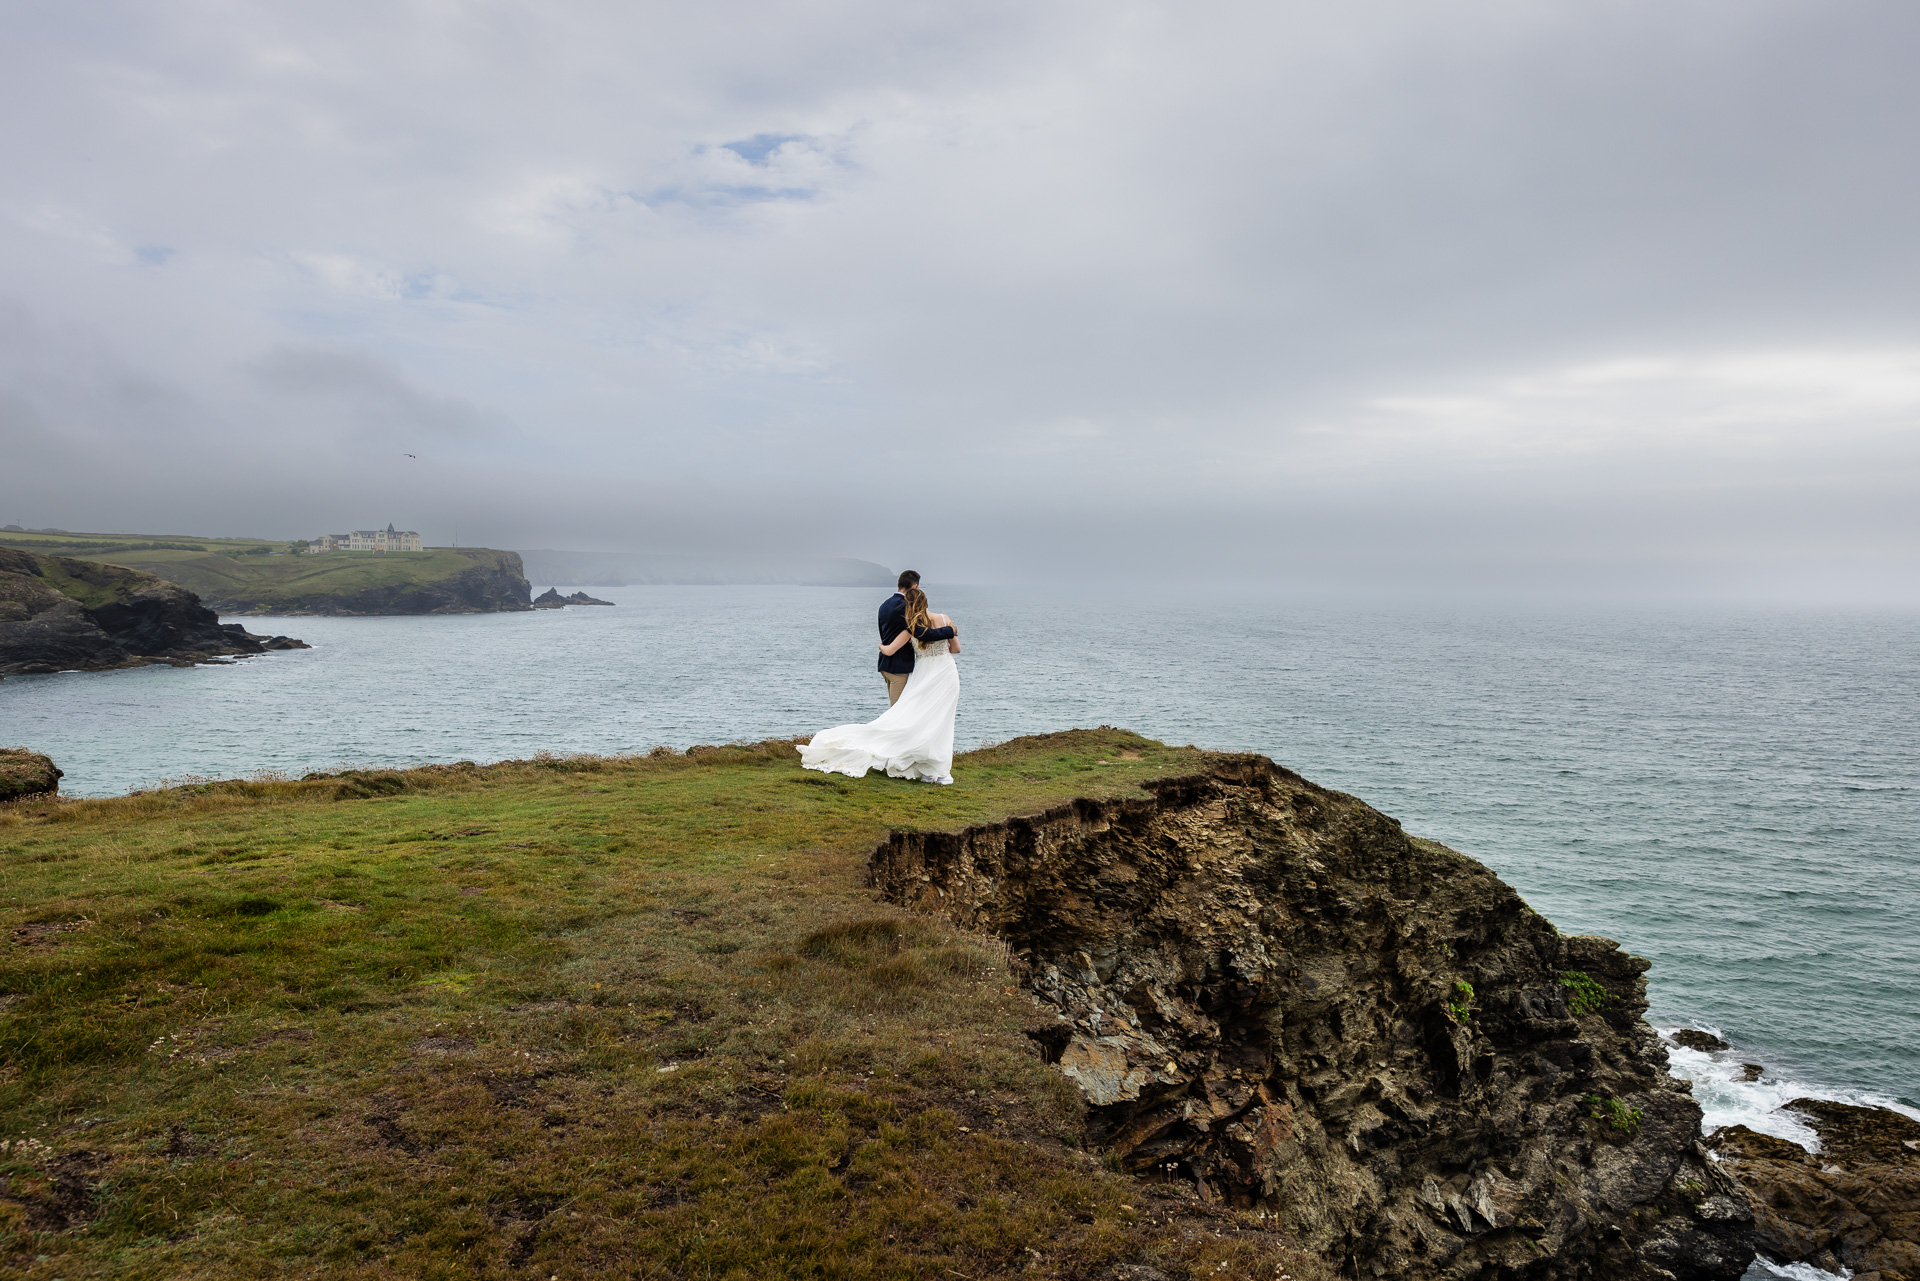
x=563, y=1017
x=308, y=584
x=238, y=576
x=96, y=546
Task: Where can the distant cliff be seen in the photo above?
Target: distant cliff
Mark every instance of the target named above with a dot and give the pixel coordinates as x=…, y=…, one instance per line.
x=1269, y=991
x=61, y=615
x=440, y=580
x=621, y=569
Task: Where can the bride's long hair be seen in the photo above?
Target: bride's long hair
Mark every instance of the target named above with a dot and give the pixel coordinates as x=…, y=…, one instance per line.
x=918, y=620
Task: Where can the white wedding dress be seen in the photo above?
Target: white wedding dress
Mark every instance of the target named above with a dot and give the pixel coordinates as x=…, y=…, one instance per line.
x=912, y=739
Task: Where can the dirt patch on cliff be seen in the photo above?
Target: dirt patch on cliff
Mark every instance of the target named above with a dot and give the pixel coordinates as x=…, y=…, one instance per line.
x=62, y=1196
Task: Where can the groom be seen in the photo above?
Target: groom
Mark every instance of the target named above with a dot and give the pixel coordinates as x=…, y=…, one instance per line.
x=897, y=666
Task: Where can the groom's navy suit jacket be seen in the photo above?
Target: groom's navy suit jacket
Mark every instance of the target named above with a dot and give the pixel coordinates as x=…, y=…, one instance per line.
x=893, y=621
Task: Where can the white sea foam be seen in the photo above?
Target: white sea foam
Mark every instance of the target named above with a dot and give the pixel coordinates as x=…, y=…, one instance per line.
x=1764, y=1267
x=1725, y=1099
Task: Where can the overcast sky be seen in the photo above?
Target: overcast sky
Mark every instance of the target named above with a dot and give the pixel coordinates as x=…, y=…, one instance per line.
x=1609, y=298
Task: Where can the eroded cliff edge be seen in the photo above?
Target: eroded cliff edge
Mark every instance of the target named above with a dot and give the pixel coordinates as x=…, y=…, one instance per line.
x=1269, y=990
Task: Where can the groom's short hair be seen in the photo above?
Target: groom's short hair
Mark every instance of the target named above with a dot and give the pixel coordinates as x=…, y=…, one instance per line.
x=909, y=578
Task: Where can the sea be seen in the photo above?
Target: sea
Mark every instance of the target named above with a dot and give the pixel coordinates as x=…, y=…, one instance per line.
x=1732, y=793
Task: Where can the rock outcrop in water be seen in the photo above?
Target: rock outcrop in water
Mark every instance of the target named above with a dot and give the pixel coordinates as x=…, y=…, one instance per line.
x=552, y=599
x=1855, y=1204
x=1268, y=990
x=62, y=615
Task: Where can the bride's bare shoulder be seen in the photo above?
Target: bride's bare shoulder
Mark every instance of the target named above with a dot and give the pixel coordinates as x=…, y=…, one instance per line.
x=940, y=620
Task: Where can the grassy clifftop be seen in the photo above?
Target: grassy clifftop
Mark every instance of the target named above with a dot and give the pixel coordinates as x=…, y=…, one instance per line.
x=90, y=583
x=337, y=582
x=563, y=1017
x=85, y=545
x=238, y=576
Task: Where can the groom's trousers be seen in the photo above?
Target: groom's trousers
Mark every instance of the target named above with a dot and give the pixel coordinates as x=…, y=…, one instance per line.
x=896, y=681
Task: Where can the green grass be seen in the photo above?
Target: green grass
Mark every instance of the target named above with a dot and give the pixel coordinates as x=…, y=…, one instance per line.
x=1584, y=993
x=267, y=581
x=91, y=546
x=564, y=1017
x=1615, y=1115
x=94, y=585
x=236, y=571
x=91, y=583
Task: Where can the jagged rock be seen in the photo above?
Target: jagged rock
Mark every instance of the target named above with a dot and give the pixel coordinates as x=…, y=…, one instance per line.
x=552, y=599
x=77, y=615
x=1855, y=1204
x=1695, y=1039
x=1750, y=1071
x=24, y=773
x=1269, y=990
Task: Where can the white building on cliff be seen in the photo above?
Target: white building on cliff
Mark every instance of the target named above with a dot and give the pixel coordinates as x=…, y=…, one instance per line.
x=368, y=540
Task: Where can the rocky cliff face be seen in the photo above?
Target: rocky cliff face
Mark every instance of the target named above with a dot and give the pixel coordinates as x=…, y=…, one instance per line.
x=1269, y=991
x=60, y=615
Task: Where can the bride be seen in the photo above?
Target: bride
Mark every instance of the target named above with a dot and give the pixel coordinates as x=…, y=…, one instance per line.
x=914, y=737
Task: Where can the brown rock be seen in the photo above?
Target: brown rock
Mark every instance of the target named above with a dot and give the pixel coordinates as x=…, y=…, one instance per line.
x=1365, y=1034
x=1695, y=1039
x=24, y=774
x=1855, y=1203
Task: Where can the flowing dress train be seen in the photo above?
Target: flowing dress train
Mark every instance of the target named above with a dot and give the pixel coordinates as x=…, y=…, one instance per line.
x=911, y=739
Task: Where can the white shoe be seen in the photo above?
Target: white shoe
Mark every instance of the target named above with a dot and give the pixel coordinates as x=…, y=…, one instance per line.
x=945, y=780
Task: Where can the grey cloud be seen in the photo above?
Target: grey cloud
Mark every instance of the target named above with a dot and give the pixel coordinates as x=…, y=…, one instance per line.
x=347, y=392
x=1300, y=291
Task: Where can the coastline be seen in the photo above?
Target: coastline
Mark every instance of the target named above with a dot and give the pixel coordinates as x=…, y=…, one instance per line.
x=1690, y=782
x=1727, y=1099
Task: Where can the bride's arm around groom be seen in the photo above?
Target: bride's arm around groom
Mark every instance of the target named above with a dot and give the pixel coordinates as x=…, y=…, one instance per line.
x=895, y=666
x=940, y=623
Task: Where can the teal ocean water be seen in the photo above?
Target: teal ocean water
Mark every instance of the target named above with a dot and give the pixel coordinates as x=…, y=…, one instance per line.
x=1735, y=795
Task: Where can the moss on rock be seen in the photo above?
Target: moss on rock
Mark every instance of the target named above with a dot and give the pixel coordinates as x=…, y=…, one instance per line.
x=24, y=773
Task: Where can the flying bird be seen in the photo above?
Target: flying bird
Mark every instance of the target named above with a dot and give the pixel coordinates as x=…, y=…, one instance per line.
x=413, y=455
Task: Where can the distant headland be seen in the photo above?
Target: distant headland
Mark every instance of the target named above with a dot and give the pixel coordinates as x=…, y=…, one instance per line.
x=258, y=576
x=390, y=571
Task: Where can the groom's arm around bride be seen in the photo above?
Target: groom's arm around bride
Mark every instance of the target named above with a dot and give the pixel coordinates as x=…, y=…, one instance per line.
x=895, y=668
